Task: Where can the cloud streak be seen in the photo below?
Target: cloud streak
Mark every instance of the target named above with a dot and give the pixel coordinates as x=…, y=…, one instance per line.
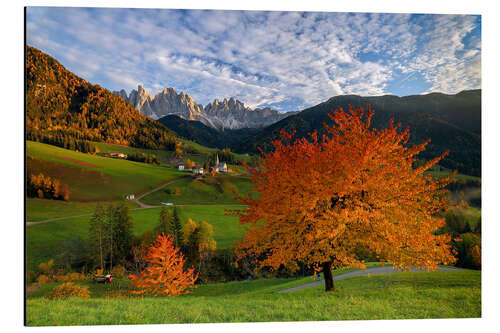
x=287, y=60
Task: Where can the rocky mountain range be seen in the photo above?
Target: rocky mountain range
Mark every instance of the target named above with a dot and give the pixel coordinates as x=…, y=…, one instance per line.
x=227, y=114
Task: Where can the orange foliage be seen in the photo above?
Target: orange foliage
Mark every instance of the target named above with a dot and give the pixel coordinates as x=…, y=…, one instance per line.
x=165, y=274
x=68, y=289
x=42, y=186
x=189, y=164
x=320, y=199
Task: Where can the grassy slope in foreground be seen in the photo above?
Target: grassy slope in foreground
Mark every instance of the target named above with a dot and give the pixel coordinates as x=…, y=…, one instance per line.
x=43, y=240
x=403, y=295
x=92, y=178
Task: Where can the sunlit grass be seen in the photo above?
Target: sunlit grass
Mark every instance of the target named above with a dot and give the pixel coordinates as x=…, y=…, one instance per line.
x=408, y=295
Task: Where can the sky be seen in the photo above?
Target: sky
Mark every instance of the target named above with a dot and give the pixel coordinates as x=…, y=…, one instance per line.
x=285, y=60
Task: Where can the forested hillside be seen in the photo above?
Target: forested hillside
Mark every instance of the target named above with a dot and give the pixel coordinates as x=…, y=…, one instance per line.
x=452, y=122
x=204, y=135
x=61, y=107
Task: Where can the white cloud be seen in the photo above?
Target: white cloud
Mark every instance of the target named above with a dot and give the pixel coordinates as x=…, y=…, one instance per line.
x=259, y=57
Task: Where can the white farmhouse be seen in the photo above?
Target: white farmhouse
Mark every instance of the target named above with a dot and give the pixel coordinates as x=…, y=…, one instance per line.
x=198, y=170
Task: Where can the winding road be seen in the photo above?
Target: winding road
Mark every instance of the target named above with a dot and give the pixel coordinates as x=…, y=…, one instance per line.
x=143, y=205
x=374, y=270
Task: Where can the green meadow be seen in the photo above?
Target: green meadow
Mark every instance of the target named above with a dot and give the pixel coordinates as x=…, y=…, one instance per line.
x=208, y=190
x=195, y=151
x=43, y=209
x=92, y=177
x=404, y=295
x=43, y=240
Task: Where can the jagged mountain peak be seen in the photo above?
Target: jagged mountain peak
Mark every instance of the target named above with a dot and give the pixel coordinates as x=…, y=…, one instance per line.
x=122, y=93
x=228, y=113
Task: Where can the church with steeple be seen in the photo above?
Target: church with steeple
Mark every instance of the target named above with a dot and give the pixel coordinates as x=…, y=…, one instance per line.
x=219, y=167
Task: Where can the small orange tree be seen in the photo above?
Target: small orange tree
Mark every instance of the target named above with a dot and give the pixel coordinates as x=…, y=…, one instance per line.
x=319, y=200
x=165, y=273
x=189, y=164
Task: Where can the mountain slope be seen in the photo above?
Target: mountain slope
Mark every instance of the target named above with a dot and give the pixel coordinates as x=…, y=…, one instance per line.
x=60, y=104
x=452, y=122
x=204, y=135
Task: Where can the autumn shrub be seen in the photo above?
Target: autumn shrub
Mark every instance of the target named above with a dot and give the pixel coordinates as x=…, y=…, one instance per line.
x=42, y=279
x=68, y=289
x=46, y=267
x=70, y=277
x=59, y=278
x=42, y=186
x=189, y=164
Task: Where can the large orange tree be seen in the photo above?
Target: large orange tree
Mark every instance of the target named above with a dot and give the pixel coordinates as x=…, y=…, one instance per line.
x=319, y=199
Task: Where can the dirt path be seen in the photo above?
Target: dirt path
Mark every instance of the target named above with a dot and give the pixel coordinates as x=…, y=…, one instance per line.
x=29, y=224
x=143, y=205
x=374, y=270
x=33, y=287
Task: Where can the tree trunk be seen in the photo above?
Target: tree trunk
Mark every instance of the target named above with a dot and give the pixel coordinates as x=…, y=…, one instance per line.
x=100, y=248
x=327, y=273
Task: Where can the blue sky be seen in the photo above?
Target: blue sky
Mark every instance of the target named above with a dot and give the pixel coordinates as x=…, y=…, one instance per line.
x=285, y=60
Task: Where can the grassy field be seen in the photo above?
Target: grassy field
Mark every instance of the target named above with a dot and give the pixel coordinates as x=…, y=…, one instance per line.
x=209, y=190
x=91, y=177
x=43, y=240
x=406, y=295
x=44, y=209
x=109, y=147
x=435, y=173
x=198, y=157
